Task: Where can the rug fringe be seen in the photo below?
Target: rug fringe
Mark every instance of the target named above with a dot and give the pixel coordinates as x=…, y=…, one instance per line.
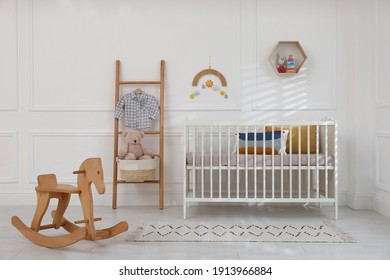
x=134, y=235
x=344, y=235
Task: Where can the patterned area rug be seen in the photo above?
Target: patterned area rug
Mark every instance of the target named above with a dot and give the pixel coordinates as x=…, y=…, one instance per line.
x=318, y=232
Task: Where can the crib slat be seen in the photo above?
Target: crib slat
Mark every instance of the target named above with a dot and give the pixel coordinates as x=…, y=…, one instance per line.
x=255, y=164
x=317, y=164
x=273, y=161
x=308, y=161
x=264, y=164
x=291, y=165
x=211, y=161
x=335, y=171
x=246, y=161
x=281, y=164
x=299, y=162
x=202, y=167
x=185, y=183
x=326, y=161
x=193, y=165
x=238, y=162
x=219, y=161
x=228, y=154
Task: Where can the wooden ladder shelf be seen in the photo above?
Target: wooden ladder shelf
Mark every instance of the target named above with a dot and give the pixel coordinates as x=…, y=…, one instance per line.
x=160, y=133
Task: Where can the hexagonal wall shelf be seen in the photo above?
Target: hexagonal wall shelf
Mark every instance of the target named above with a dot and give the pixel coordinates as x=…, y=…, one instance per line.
x=288, y=49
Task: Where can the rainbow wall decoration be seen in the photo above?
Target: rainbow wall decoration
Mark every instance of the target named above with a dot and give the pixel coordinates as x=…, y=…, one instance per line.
x=209, y=84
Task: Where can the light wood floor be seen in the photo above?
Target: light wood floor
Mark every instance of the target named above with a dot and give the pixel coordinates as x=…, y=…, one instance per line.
x=370, y=229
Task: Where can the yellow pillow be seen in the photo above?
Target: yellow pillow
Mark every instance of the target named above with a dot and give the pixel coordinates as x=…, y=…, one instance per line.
x=259, y=150
x=295, y=136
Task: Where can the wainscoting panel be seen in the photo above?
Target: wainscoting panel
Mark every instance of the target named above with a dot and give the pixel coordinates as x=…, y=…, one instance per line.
x=383, y=155
x=383, y=55
x=8, y=55
x=314, y=87
x=62, y=152
x=9, y=162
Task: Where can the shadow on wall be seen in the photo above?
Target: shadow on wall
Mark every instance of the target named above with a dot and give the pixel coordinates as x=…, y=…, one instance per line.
x=287, y=94
x=264, y=96
x=278, y=97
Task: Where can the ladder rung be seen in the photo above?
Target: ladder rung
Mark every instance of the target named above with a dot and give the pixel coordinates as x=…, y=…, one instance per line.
x=143, y=182
x=139, y=82
x=156, y=155
x=146, y=132
x=152, y=132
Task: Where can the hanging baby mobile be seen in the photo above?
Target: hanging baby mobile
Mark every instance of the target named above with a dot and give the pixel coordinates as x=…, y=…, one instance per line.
x=214, y=84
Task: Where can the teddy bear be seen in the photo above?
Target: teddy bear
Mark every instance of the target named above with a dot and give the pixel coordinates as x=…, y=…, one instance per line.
x=133, y=149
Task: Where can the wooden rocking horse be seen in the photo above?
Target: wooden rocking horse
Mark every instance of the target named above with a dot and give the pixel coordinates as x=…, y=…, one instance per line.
x=90, y=171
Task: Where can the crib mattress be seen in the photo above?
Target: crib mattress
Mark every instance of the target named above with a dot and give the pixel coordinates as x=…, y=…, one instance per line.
x=277, y=159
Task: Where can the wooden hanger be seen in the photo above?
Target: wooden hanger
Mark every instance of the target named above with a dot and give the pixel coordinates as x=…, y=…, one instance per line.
x=138, y=90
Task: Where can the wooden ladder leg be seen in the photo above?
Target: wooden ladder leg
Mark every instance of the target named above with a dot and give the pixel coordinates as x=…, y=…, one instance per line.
x=114, y=194
x=43, y=199
x=116, y=137
x=63, y=202
x=161, y=194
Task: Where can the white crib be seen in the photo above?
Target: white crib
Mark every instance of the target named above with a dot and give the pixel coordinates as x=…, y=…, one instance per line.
x=225, y=162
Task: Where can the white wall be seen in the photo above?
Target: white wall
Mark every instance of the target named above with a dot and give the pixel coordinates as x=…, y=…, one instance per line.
x=356, y=60
x=382, y=108
x=57, y=80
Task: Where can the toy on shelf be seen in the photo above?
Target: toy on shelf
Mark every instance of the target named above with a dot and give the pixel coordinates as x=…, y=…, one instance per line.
x=90, y=171
x=281, y=67
x=290, y=64
x=287, y=58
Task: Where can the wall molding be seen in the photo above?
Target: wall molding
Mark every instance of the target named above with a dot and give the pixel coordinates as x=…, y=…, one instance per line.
x=34, y=135
x=379, y=104
x=381, y=185
x=230, y=91
x=381, y=205
x=15, y=138
x=32, y=106
x=9, y=108
x=15, y=106
x=294, y=108
x=333, y=105
x=53, y=108
x=131, y=198
x=203, y=108
x=360, y=201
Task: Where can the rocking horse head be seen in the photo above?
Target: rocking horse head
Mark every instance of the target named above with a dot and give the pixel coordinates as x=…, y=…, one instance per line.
x=91, y=171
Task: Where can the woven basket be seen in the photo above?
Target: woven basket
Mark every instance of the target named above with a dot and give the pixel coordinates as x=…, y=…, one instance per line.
x=139, y=170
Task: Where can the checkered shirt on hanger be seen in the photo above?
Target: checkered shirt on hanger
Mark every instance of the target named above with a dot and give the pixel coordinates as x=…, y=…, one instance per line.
x=138, y=109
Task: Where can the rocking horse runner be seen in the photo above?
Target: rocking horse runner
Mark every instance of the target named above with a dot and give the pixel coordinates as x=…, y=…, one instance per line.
x=90, y=171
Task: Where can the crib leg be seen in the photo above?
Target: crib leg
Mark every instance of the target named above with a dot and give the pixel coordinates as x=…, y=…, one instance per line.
x=336, y=211
x=184, y=210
